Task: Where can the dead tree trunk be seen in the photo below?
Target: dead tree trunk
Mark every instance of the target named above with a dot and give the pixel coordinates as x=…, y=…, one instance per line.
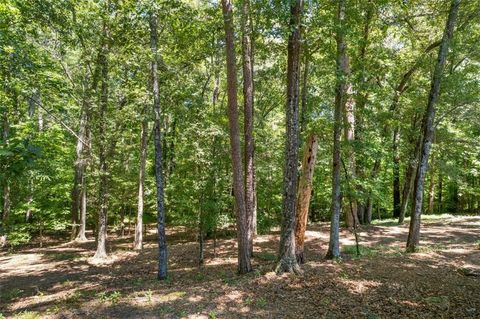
x=340, y=88
x=243, y=231
x=287, y=259
x=428, y=129
x=304, y=194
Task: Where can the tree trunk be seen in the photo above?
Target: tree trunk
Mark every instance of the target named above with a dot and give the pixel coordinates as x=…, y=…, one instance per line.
x=83, y=212
x=304, y=195
x=6, y=185
x=79, y=170
x=349, y=132
x=334, y=243
x=428, y=129
x=304, y=105
x=243, y=231
x=440, y=191
x=162, y=240
x=247, y=54
x=287, y=259
x=396, y=173
x=431, y=188
x=103, y=188
x=138, y=240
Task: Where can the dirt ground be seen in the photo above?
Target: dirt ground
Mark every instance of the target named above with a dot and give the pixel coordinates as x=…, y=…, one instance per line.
x=61, y=280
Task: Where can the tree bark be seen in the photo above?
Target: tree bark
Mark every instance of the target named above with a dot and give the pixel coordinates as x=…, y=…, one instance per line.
x=6, y=186
x=396, y=173
x=162, y=240
x=138, y=240
x=349, y=132
x=334, y=243
x=431, y=188
x=287, y=259
x=103, y=187
x=243, y=231
x=304, y=194
x=428, y=129
x=247, y=54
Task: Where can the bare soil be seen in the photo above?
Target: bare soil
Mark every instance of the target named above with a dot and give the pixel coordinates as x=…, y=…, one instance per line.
x=440, y=281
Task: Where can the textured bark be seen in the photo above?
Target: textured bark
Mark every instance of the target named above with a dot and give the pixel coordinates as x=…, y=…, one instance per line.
x=247, y=57
x=440, y=193
x=102, y=156
x=6, y=186
x=287, y=260
x=138, y=240
x=431, y=191
x=428, y=129
x=304, y=194
x=244, y=263
x=83, y=212
x=334, y=243
x=351, y=219
x=162, y=240
x=396, y=173
x=303, y=99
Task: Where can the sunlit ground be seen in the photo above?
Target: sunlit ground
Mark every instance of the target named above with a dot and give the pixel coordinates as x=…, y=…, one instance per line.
x=440, y=281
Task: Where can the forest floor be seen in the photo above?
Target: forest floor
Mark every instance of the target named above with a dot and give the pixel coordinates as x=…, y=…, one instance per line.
x=61, y=280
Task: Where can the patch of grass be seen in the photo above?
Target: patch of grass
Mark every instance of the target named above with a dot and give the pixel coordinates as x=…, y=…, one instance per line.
x=27, y=315
x=477, y=243
x=366, y=251
x=113, y=297
x=266, y=256
x=200, y=277
x=431, y=248
x=212, y=315
x=10, y=295
x=261, y=302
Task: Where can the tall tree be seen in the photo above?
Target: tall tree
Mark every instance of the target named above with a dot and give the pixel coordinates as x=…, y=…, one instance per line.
x=138, y=240
x=340, y=90
x=287, y=259
x=247, y=63
x=102, y=155
x=429, y=127
x=243, y=231
x=162, y=240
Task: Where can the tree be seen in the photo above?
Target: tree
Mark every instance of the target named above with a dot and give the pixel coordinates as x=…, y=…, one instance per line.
x=243, y=232
x=287, y=259
x=340, y=90
x=428, y=128
x=162, y=240
x=138, y=240
x=247, y=67
x=101, y=252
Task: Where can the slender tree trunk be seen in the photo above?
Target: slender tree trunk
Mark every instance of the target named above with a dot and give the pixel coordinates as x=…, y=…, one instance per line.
x=6, y=186
x=162, y=240
x=349, y=133
x=431, y=188
x=334, y=243
x=243, y=231
x=83, y=212
x=428, y=129
x=103, y=188
x=138, y=241
x=304, y=195
x=396, y=173
x=287, y=259
x=247, y=55
x=79, y=170
x=440, y=192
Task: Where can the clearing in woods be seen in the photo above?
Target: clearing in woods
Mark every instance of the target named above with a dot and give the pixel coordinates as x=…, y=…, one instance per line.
x=441, y=281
